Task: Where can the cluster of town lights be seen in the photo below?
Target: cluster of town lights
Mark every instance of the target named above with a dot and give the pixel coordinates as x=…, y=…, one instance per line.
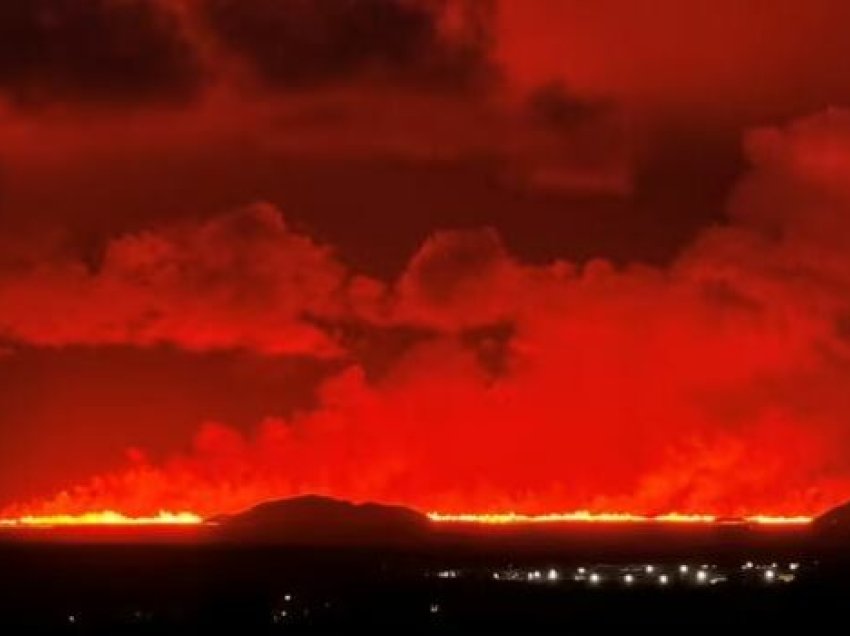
x=661, y=575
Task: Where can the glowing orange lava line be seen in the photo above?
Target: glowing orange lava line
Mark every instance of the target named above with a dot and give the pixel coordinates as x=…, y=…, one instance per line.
x=770, y=520
x=167, y=518
x=584, y=516
x=103, y=518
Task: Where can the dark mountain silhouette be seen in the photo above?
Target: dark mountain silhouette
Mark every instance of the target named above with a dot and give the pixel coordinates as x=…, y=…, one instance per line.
x=834, y=522
x=322, y=520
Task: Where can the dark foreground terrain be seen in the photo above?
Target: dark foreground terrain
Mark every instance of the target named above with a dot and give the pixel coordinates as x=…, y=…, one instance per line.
x=452, y=580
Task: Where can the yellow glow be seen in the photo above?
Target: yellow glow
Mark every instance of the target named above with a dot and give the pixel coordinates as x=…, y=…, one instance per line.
x=677, y=517
x=555, y=517
x=103, y=518
x=113, y=518
x=585, y=516
x=770, y=520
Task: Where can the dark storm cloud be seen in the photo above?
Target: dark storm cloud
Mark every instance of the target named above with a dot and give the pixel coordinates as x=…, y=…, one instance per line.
x=139, y=50
x=93, y=49
x=305, y=43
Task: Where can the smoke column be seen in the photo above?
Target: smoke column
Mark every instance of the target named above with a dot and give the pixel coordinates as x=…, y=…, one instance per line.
x=717, y=384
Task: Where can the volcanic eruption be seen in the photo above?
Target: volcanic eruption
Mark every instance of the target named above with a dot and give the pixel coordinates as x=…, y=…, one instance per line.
x=712, y=387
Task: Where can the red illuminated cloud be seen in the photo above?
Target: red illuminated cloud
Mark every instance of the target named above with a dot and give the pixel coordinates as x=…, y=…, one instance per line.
x=431, y=45
x=136, y=52
x=715, y=385
x=669, y=58
x=243, y=280
x=476, y=378
x=220, y=82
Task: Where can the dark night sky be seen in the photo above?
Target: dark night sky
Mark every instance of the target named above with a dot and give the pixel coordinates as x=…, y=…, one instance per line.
x=578, y=131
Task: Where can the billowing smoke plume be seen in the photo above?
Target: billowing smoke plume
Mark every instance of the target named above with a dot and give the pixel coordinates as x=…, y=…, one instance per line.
x=717, y=384
x=243, y=280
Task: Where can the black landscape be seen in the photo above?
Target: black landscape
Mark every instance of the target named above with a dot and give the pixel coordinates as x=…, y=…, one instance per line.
x=318, y=565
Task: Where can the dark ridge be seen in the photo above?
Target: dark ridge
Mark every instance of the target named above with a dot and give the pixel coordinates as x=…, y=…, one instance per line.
x=313, y=519
x=834, y=522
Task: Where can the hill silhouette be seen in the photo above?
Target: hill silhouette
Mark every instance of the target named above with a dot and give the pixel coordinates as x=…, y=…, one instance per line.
x=314, y=519
x=834, y=522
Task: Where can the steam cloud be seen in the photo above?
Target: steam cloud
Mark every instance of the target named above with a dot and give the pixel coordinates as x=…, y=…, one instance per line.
x=717, y=384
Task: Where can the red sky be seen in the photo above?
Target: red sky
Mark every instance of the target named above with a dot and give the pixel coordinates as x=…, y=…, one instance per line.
x=457, y=254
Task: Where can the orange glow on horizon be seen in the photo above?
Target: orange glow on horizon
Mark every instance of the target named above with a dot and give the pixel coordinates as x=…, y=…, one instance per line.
x=103, y=518
x=771, y=520
x=584, y=516
x=167, y=518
